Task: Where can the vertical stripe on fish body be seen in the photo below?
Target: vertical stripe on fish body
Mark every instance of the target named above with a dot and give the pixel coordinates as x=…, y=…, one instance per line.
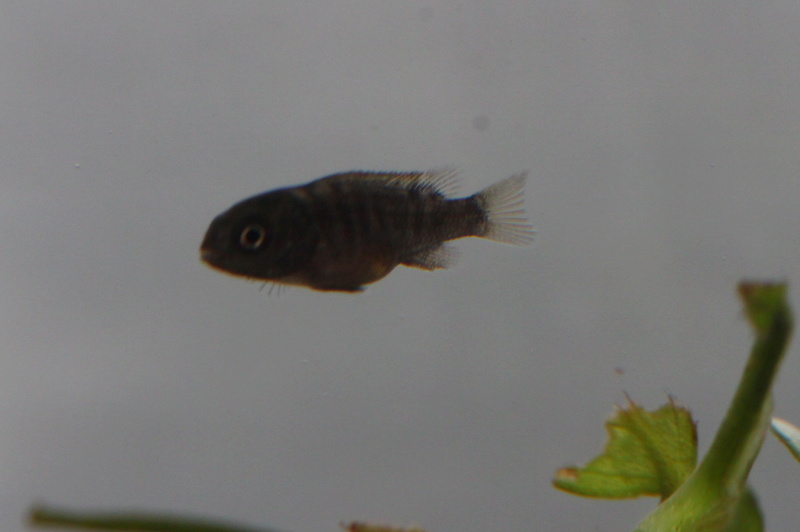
x=353, y=228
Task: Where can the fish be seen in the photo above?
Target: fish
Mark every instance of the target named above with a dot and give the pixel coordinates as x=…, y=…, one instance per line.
x=347, y=230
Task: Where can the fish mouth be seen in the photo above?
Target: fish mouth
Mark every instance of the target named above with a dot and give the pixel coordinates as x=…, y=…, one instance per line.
x=213, y=259
x=208, y=255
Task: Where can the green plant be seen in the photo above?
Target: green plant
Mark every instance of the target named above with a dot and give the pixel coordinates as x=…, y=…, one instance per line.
x=648, y=453
x=654, y=453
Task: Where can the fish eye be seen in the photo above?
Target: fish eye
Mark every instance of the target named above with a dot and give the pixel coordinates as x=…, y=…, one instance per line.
x=252, y=237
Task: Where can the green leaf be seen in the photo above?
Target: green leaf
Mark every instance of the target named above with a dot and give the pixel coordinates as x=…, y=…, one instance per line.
x=766, y=308
x=747, y=515
x=788, y=434
x=134, y=522
x=715, y=497
x=647, y=453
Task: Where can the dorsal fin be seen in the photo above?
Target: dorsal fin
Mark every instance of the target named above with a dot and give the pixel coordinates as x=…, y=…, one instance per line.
x=440, y=181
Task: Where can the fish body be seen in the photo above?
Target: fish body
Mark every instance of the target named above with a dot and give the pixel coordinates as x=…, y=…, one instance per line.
x=347, y=230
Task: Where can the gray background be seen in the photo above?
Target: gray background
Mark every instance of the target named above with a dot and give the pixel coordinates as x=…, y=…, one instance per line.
x=662, y=144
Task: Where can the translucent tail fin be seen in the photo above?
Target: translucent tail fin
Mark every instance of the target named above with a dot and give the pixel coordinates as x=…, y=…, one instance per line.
x=505, y=214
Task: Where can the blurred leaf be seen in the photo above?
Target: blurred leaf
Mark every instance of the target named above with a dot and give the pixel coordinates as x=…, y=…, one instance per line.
x=647, y=453
x=50, y=517
x=788, y=434
x=356, y=526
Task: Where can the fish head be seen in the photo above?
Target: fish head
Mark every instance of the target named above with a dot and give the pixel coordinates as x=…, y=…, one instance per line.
x=265, y=237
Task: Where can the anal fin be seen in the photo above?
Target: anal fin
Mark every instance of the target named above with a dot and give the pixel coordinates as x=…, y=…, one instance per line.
x=432, y=258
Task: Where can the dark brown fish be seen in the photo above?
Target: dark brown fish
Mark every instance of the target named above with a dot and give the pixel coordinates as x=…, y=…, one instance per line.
x=346, y=230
